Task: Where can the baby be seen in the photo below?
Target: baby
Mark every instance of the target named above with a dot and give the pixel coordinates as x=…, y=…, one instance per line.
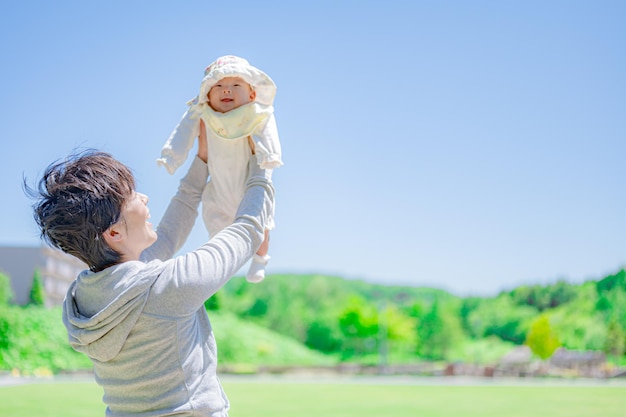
x=234, y=111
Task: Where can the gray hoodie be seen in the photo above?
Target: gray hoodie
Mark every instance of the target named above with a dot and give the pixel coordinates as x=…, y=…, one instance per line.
x=143, y=323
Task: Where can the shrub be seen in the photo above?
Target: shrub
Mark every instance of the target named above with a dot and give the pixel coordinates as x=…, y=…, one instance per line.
x=6, y=294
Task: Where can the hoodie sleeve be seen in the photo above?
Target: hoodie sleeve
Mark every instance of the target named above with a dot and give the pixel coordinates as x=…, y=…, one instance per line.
x=180, y=216
x=188, y=280
x=174, y=152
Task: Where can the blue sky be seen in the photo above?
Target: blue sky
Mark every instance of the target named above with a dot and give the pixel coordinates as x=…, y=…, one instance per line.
x=467, y=145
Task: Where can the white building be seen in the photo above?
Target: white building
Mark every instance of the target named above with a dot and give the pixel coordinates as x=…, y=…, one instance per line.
x=57, y=271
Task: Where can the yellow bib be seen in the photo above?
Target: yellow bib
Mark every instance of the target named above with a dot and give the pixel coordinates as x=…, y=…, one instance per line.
x=237, y=123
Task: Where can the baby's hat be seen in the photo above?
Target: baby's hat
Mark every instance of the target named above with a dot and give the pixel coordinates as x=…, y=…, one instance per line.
x=233, y=66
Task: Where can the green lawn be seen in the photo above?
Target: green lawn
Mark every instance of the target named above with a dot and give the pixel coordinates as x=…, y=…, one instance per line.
x=288, y=398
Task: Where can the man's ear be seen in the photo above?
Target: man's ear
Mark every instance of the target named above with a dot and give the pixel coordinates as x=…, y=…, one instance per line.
x=112, y=235
x=252, y=95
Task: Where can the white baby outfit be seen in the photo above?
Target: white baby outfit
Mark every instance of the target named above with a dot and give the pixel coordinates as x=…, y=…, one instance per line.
x=227, y=140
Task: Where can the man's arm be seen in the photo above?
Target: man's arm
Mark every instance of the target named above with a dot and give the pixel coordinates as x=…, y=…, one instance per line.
x=188, y=280
x=180, y=216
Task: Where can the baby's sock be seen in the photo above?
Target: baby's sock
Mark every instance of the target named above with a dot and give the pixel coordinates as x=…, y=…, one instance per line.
x=256, y=272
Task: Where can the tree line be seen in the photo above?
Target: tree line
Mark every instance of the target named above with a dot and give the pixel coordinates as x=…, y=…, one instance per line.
x=355, y=321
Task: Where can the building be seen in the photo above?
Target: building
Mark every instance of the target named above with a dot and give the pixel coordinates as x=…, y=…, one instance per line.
x=57, y=271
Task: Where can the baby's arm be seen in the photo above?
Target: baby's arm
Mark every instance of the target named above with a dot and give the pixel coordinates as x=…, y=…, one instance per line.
x=174, y=152
x=267, y=145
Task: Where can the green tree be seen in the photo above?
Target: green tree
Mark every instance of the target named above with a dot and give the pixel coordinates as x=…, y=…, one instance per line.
x=468, y=305
x=213, y=302
x=438, y=331
x=5, y=334
x=323, y=334
x=579, y=325
x=544, y=297
x=561, y=293
x=612, y=281
x=399, y=329
x=6, y=294
x=359, y=325
x=541, y=338
x=429, y=329
x=501, y=317
x=37, y=296
x=615, y=343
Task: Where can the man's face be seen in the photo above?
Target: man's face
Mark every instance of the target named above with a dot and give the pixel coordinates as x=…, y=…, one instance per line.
x=230, y=93
x=137, y=230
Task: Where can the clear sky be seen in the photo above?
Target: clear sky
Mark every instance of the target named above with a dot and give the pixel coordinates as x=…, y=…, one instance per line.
x=468, y=145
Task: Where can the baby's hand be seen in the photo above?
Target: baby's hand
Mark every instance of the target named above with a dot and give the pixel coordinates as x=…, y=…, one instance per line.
x=202, y=144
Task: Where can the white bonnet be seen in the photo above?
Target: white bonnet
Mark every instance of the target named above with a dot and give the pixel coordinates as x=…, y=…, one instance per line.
x=233, y=66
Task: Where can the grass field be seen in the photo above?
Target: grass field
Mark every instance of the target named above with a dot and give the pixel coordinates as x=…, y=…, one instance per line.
x=288, y=398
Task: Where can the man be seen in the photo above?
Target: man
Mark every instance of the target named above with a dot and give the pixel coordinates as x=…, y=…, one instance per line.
x=138, y=313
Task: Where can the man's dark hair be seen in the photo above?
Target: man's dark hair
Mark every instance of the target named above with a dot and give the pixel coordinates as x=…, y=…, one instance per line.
x=77, y=200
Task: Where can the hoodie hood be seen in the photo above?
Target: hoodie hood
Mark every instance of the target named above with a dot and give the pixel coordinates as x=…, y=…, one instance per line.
x=101, y=308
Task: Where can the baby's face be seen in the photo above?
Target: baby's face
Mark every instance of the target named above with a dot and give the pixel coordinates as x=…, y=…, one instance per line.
x=230, y=93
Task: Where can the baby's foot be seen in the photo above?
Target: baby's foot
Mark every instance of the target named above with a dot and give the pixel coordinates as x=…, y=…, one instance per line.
x=256, y=272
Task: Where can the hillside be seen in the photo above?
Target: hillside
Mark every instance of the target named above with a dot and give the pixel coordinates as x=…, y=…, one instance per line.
x=33, y=340
x=347, y=317
x=322, y=320
x=246, y=344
